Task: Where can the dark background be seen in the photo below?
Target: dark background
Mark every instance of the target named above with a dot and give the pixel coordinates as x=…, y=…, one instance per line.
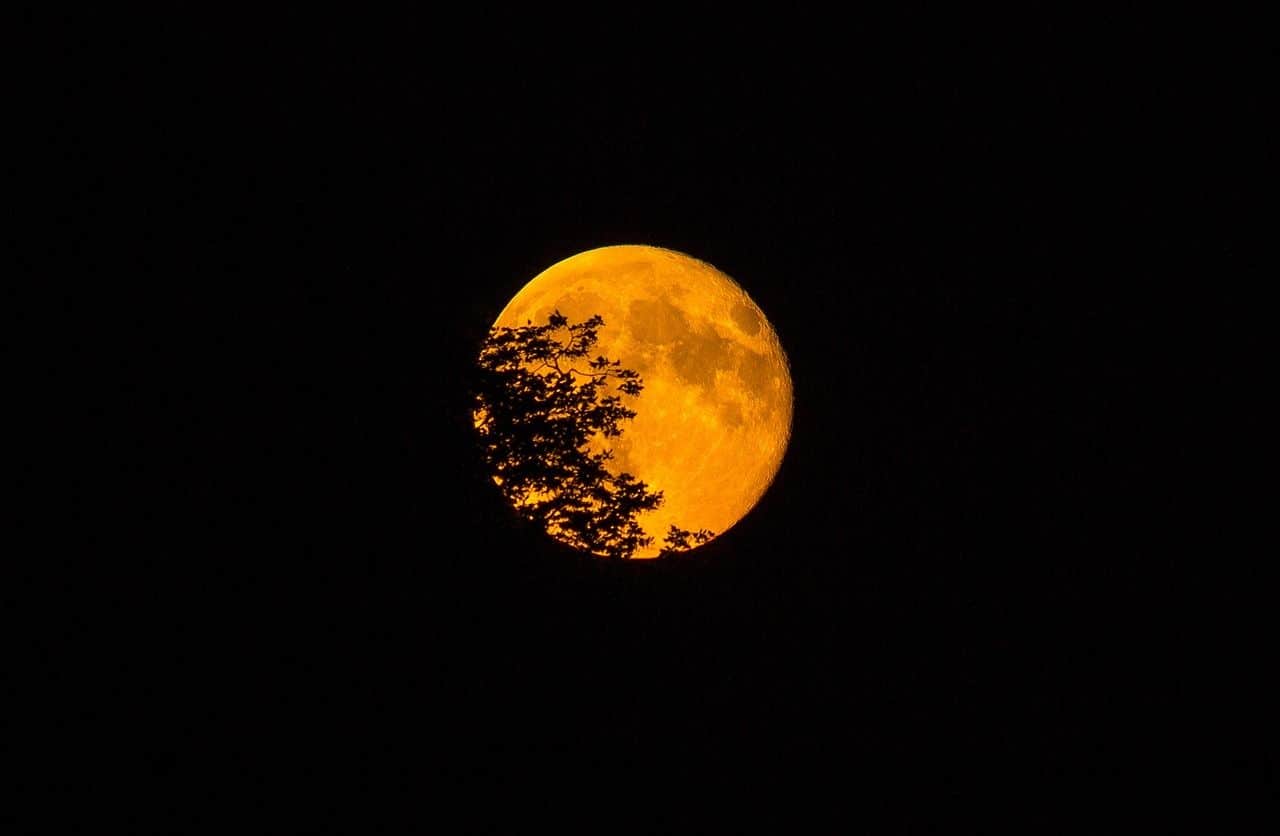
x=966, y=244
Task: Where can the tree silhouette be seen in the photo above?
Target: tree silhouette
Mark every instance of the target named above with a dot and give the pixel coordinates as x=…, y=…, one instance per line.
x=680, y=540
x=539, y=403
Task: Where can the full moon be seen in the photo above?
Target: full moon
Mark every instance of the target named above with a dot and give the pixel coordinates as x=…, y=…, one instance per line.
x=714, y=419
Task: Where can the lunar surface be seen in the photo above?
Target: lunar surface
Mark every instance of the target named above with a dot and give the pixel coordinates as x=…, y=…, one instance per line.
x=714, y=419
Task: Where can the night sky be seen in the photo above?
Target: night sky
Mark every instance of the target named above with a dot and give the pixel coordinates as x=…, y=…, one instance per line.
x=951, y=579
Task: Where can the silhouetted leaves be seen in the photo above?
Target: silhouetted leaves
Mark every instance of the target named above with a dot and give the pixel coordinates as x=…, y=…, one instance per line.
x=539, y=403
x=680, y=540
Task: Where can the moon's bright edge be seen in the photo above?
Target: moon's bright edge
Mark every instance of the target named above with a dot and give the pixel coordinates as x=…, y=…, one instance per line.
x=714, y=419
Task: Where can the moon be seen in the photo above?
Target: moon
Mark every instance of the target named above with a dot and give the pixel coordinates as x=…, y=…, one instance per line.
x=714, y=419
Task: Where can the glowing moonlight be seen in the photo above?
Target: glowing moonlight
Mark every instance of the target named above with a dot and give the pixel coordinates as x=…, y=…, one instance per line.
x=714, y=418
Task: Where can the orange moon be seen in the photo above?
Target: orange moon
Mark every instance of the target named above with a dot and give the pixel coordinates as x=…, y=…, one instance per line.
x=714, y=419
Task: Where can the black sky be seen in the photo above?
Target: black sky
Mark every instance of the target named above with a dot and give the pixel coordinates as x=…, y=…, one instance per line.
x=958, y=243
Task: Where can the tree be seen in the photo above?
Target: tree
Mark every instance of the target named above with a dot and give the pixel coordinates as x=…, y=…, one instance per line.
x=679, y=540
x=539, y=403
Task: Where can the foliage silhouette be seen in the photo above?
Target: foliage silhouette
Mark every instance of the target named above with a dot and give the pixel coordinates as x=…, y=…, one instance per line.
x=539, y=404
x=680, y=540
